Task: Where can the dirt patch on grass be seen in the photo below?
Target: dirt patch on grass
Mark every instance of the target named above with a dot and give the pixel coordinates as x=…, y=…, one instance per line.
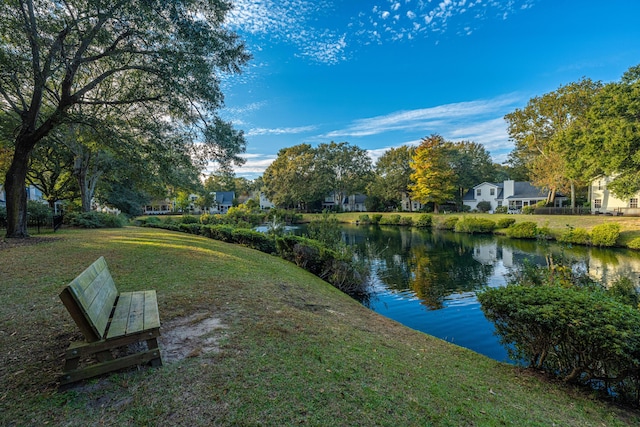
x=190, y=336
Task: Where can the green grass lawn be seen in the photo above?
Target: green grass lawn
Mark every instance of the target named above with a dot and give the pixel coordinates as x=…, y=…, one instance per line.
x=291, y=349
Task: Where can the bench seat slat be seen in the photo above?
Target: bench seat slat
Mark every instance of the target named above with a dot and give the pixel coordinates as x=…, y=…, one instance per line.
x=151, y=315
x=120, y=317
x=136, y=313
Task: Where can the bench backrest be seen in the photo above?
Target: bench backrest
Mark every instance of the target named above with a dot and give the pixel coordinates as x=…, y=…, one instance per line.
x=89, y=298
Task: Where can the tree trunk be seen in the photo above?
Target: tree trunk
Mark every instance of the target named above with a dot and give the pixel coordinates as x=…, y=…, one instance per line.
x=573, y=197
x=14, y=187
x=435, y=208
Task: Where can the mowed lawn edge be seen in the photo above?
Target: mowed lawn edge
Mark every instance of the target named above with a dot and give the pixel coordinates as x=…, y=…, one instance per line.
x=290, y=348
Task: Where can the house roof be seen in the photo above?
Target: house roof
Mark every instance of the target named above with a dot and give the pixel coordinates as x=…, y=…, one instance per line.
x=225, y=197
x=524, y=190
x=521, y=190
x=358, y=198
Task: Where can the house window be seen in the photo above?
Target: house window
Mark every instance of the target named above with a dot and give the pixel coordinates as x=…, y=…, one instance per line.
x=599, y=185
x=492, y=191
x=479, y=192
x=597, y=203
x=633, y=203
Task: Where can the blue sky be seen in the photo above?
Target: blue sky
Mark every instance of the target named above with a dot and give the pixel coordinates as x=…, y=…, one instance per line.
x=383, y=73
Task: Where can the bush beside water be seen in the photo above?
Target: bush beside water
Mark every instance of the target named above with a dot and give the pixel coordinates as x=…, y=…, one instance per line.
x=474, y=225
x=523, y=230
x=581, y=335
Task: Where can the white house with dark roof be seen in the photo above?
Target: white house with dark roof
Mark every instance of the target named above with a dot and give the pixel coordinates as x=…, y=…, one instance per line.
x=604, y=201
x=513, y=194
x=223, y=201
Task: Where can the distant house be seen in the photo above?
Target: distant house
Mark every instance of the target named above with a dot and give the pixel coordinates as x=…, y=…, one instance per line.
x=159, y=207
x=223, y=201
x=408, y=204
x=514, y=195
x=265, y=203
x=604, y=201
x=352, y=203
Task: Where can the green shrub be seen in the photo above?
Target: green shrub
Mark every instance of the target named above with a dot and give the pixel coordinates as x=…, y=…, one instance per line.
x=390, y=220
x=224, y=233
x=448, y=223
x=484, y=206
x=244, y=214
x=327, y=230
x=424, y=221
x=474, y=225
x=523, y=230
x=576, y=236
x=528, y=210
x=376, y=218
x=191, y=228
x=336, y=267
x=624, y=290
x=505, y=222
x=633, y=244
x=501, y=210
x=364, y=219
x=148, y=220
x=94, y=220
x=578, y=334
x=605, y=234
x=189, y=219
x=406, y=220
x=38, y=211
x=211, y=219
x=253, y=239
x=544, y=233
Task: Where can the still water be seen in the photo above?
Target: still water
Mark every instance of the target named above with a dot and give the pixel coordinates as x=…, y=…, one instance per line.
x=427, y=280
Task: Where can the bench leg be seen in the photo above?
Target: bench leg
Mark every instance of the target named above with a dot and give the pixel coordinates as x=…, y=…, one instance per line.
x=152, y=344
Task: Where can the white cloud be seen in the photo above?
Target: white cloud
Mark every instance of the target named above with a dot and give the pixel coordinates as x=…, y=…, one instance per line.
x=280, y=131
x=430, y=119
x=255, y=165
x=322, y=32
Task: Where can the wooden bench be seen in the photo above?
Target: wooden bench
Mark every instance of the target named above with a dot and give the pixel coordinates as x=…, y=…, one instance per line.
x=110, y=322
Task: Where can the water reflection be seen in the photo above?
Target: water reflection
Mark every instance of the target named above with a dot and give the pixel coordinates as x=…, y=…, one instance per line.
x=427, y=279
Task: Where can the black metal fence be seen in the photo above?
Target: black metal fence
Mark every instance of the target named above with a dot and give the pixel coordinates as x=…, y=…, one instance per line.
x=54, y=223
x=578, y=210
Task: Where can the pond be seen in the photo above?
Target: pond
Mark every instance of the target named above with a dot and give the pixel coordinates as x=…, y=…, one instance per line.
x=427, y=280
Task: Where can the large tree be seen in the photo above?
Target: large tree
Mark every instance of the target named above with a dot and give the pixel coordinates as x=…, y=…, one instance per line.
x=144, y=58
x=433, y=178
x=345, y=167
x=294, y=180
x=392, y=176
x=539, y=131
x=609, y=135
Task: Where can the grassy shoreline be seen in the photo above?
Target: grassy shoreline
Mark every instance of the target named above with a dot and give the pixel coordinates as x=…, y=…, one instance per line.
x=293, y=349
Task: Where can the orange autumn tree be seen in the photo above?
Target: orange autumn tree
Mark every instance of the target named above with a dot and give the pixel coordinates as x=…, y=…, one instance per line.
x=433, y=178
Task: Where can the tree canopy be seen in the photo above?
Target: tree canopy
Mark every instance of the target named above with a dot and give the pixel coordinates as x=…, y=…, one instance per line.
x=433, y=178
x=87, y=61
x=540, y=134
x=392, y=176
